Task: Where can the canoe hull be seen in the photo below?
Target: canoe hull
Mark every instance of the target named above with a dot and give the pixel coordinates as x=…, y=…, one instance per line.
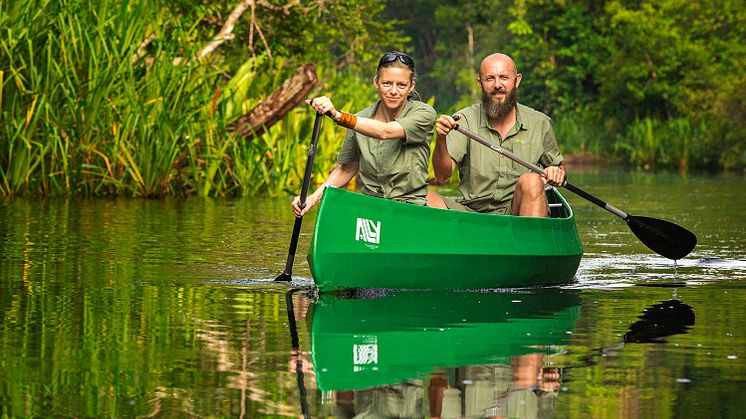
x=367, y=242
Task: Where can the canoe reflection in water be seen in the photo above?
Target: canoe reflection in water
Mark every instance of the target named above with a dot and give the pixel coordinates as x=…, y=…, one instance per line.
x=418, y=354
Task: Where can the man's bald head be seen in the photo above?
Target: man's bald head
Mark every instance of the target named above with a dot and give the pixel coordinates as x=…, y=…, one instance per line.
x=497, y=60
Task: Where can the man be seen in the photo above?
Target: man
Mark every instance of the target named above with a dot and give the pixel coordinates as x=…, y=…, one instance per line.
x=491, y=183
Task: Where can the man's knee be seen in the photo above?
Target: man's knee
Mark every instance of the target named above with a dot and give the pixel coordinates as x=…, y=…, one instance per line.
x=530, y=183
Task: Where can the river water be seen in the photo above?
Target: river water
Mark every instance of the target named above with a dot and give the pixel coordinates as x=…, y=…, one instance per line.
x=131, y=308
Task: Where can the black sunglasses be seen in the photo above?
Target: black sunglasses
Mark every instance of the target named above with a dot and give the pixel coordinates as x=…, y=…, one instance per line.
x=393, y=56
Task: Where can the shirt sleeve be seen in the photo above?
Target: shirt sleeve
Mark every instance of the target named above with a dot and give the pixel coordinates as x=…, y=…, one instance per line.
x=350, y=151
x=551, y=155
x=418, y=124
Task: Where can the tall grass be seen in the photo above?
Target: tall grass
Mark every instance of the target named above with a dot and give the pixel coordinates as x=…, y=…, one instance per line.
x=646, y=143
x=677, y=143
x=579, y=134
x=80, y=117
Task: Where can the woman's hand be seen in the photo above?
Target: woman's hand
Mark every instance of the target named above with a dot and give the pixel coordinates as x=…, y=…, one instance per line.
x=311, y=200
x=324, y=105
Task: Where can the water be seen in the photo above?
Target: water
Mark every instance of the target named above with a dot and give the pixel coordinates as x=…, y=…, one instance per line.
x=132, y=308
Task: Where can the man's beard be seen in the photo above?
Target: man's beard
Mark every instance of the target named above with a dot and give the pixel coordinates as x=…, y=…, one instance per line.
x=496, y=109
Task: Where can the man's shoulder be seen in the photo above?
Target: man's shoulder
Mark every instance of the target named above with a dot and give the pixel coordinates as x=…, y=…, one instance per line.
x=528, y=114
x=471, y=113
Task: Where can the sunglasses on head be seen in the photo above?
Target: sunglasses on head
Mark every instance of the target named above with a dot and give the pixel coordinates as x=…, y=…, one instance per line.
x=393, y=56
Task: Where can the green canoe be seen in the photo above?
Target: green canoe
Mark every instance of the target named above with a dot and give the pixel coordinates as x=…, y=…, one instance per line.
x=366, y=242
x=362, y=343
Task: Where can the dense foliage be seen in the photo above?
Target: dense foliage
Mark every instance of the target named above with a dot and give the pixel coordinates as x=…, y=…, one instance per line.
x=135, y=98
x=659, y=82
x=123, y=98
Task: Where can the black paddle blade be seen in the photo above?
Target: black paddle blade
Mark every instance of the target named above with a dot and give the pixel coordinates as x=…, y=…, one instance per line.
x=284, y=277
x=663, y=237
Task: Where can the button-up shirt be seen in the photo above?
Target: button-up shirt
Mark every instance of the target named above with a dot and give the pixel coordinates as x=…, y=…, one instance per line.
x=488, y=179
x=394, y=169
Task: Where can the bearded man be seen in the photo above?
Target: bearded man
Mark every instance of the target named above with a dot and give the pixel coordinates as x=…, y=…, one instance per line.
x=491, y=183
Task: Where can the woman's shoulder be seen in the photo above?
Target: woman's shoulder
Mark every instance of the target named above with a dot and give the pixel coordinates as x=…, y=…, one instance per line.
x=422, y=107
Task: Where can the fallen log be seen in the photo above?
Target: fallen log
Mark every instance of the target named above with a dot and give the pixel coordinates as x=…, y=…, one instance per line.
x=275, y=106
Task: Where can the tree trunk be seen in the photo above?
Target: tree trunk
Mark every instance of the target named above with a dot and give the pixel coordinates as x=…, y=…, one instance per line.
x=275, y=106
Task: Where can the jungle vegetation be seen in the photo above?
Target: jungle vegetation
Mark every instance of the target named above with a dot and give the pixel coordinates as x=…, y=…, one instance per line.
x=152, y=98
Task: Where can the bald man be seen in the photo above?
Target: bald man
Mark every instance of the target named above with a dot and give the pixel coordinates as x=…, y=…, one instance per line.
x=491, y=183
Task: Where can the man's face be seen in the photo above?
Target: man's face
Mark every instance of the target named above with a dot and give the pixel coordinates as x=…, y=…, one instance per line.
x=499, y=83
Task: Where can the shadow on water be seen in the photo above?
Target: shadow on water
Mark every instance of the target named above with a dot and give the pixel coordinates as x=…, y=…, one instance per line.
x=453, y=354
x=437, y=353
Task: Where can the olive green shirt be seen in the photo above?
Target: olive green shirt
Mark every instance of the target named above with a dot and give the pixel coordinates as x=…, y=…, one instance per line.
x=488, y=179
x=394, y=169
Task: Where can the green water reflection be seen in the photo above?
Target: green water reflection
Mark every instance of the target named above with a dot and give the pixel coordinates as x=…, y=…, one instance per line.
x=442, y=354
x=131, y=308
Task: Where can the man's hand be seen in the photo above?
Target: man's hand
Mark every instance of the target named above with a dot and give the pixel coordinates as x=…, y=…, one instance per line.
x=444, y=125
x=555, y=175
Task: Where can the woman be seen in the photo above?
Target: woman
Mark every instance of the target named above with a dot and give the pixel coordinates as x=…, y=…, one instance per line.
x=387, y=144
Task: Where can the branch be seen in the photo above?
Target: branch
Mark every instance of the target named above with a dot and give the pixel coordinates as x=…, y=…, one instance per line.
x=275, y=106
x=226, y=32
x=285, y=10
x=142, y=47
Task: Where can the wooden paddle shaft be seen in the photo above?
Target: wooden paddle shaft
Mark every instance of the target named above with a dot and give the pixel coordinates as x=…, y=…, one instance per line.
x=612, y=209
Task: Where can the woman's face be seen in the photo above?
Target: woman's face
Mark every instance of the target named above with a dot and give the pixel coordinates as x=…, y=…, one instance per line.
x=393, y=85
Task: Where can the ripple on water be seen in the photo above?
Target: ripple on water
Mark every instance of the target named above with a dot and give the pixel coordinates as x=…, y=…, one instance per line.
x=599, y=270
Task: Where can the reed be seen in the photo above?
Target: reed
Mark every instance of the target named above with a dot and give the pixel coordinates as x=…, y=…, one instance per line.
x=579, y=134
x=677, y=143
x=80, y=116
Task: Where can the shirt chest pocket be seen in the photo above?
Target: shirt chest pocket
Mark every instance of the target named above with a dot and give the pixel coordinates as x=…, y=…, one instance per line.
x=526, y=150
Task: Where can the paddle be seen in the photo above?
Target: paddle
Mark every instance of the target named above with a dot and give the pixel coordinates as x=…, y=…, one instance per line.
x=663, y=237
x=288, y=273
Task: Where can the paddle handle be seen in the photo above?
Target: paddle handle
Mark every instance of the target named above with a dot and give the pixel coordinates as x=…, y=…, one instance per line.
x=287, y=273
x=309, y=160
x=608, y=207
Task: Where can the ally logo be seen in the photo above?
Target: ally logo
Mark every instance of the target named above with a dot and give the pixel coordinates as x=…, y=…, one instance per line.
x=368, y=231
x=365, y=354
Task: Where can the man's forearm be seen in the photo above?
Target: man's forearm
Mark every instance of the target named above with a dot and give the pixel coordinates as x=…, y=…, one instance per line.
x=443, y=164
